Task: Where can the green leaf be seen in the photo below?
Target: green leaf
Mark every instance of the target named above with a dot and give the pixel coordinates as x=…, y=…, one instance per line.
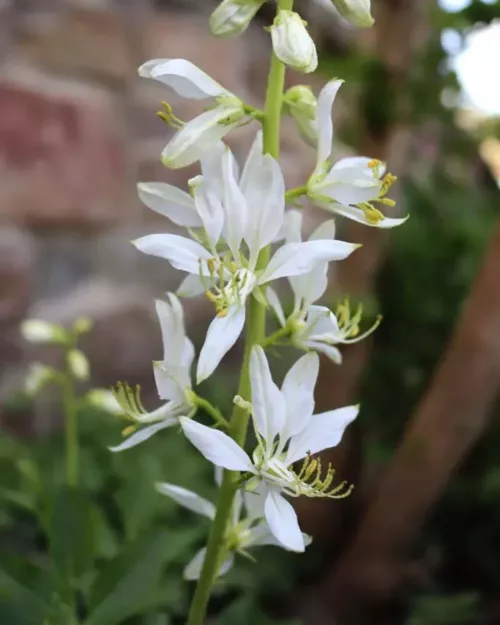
x=23, y=605
x=72, y=534
x=130, y=584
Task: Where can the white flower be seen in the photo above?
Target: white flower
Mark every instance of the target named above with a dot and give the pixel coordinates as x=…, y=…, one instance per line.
x=300, y=102
x=38, y=331
x=246, y=528
x=204, y=131
x=352, y=185
x=232, y=17
x=172, y=376
x=355, y=11
x=316, y=327
x=292, y=44
x=286, y=431
x=252, y=211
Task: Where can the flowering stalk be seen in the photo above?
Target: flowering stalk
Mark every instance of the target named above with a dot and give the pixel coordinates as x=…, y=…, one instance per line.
x=255, y=333
x=71, y=425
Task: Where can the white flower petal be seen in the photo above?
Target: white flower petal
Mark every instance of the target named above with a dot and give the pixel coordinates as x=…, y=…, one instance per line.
x=211, y=167
x=324, y=121
x=143, y=434
x=264, y=189
x=356, y=214
x=235, y=207
x=187, y=499
x=326, y=230
x=210, y=211
x=325, y=430
x=275, y=304
x=329, y=351
x=199, y=135
x=222, y=334
x=310, y=286
x=360, y=163
x=292, y=222
x=183, y=77
x=192, y=571
x=322, y=323
x=346, y=193
x=254, y=502
x=261, y=535
x=182, y=253
x=217, y=447
x=298, y=391
x=293, y=259
x=268, y=405
x=171, y=318
x=169, y=201
x=171, y=382
x=283, y=523
x=191, y=286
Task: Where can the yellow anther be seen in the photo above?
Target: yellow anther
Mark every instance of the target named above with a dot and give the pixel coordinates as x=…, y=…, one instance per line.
x=211, y=265
x=232, y=267
x=221, y=313
x=374, y=163
x=373, y=215
x=387, y=201
x=129, y=430
x=211, y=296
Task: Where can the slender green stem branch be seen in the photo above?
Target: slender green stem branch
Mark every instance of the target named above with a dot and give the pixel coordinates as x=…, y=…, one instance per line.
x=70, y=415
x=211, y=410
x=273, y=338
x=292, y=194
x=255, y=333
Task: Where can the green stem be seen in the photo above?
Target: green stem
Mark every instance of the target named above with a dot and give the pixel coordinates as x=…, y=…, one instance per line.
x=295, y=193
x=255, y=333
x=273, y=338
x=211, y=410
x=69, y=404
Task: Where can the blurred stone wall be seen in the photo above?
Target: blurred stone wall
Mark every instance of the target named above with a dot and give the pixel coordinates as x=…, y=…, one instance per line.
x=77, y=131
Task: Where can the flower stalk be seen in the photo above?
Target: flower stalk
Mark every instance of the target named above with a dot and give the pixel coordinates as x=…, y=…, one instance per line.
x=255, y=333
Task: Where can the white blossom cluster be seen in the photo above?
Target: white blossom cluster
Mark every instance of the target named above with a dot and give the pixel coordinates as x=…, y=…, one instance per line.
x=229, y=215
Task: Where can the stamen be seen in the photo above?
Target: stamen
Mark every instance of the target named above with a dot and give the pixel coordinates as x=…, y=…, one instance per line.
x=168, y=116
x=310, y=483
x=129, y=400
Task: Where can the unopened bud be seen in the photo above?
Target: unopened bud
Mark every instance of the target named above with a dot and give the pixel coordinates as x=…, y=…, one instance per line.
x=37, y=331
x=105, y=400
x=355, y=11
x=38, y=376
x=292, y=43
x=232, y=17
x=82, y=325
x=78, y=364
x=301, y=104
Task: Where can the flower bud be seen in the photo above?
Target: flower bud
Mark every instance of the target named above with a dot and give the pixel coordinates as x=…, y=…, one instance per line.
x=232, y=17
x=78, y=364
x=38, y=376
x=355, y=11
x=37, y=331
x=82, y=325
x=105, y=400
x=300, y=103
x=292, y=43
